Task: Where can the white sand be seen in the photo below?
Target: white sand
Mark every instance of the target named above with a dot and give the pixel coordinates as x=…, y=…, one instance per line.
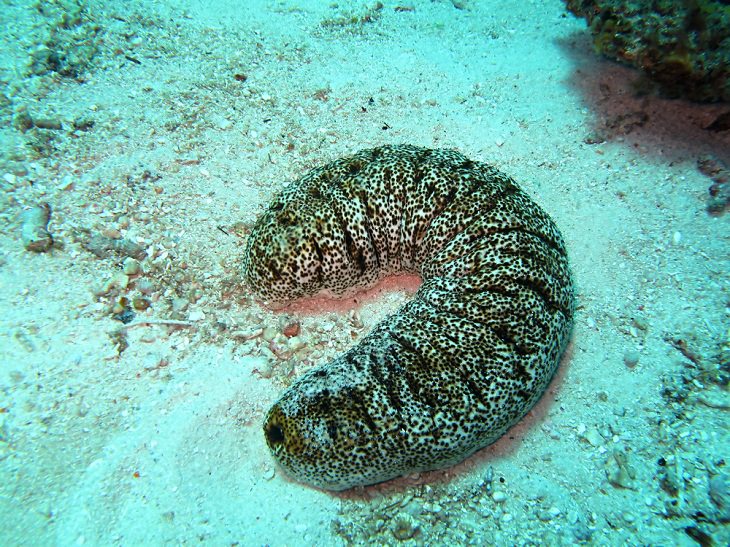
x=162, y=443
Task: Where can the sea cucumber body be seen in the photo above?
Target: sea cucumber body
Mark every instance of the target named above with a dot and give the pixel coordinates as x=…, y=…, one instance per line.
x=456, y=366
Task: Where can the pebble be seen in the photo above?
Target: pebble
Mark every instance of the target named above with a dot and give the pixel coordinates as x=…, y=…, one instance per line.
x=269, y=473
x=404, y=527
x=296, y=343
x=549, y=514
x=141, y=304
x=618, y=471
x=498, y=496
x=120, y=307
x=593, y=437
x=719, y=490
x=291, y=330
x=196, y=315
x=715, y=397
x=34, y=228
x=582, y=533
x=145, y=286
x=641, y=323
x=179, y=304
x=631, y=358
x=118, y=281
x=265, y=370
x=111, y=233
x=102, y=246
x=131, y=266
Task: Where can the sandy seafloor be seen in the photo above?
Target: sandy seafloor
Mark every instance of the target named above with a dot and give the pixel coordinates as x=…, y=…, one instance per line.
x=171, y=125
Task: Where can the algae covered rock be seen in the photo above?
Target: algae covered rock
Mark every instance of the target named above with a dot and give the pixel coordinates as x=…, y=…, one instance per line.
x=683, y=46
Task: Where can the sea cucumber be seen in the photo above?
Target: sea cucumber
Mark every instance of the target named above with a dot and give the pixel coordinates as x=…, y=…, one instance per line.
x=457, y=365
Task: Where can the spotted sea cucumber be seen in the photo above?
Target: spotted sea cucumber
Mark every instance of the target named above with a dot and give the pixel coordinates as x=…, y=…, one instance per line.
x=457, y=365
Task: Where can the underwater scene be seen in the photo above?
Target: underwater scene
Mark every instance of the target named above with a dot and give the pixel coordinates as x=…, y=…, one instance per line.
x=410, y=272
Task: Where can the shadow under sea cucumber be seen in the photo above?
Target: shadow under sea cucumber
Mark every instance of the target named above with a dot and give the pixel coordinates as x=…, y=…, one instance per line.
x=455, y=367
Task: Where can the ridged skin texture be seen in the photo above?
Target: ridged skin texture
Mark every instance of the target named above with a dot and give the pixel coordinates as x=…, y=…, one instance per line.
x=456, y=366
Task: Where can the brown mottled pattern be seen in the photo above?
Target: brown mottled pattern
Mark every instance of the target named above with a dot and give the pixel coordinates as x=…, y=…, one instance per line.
x=455, y=367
